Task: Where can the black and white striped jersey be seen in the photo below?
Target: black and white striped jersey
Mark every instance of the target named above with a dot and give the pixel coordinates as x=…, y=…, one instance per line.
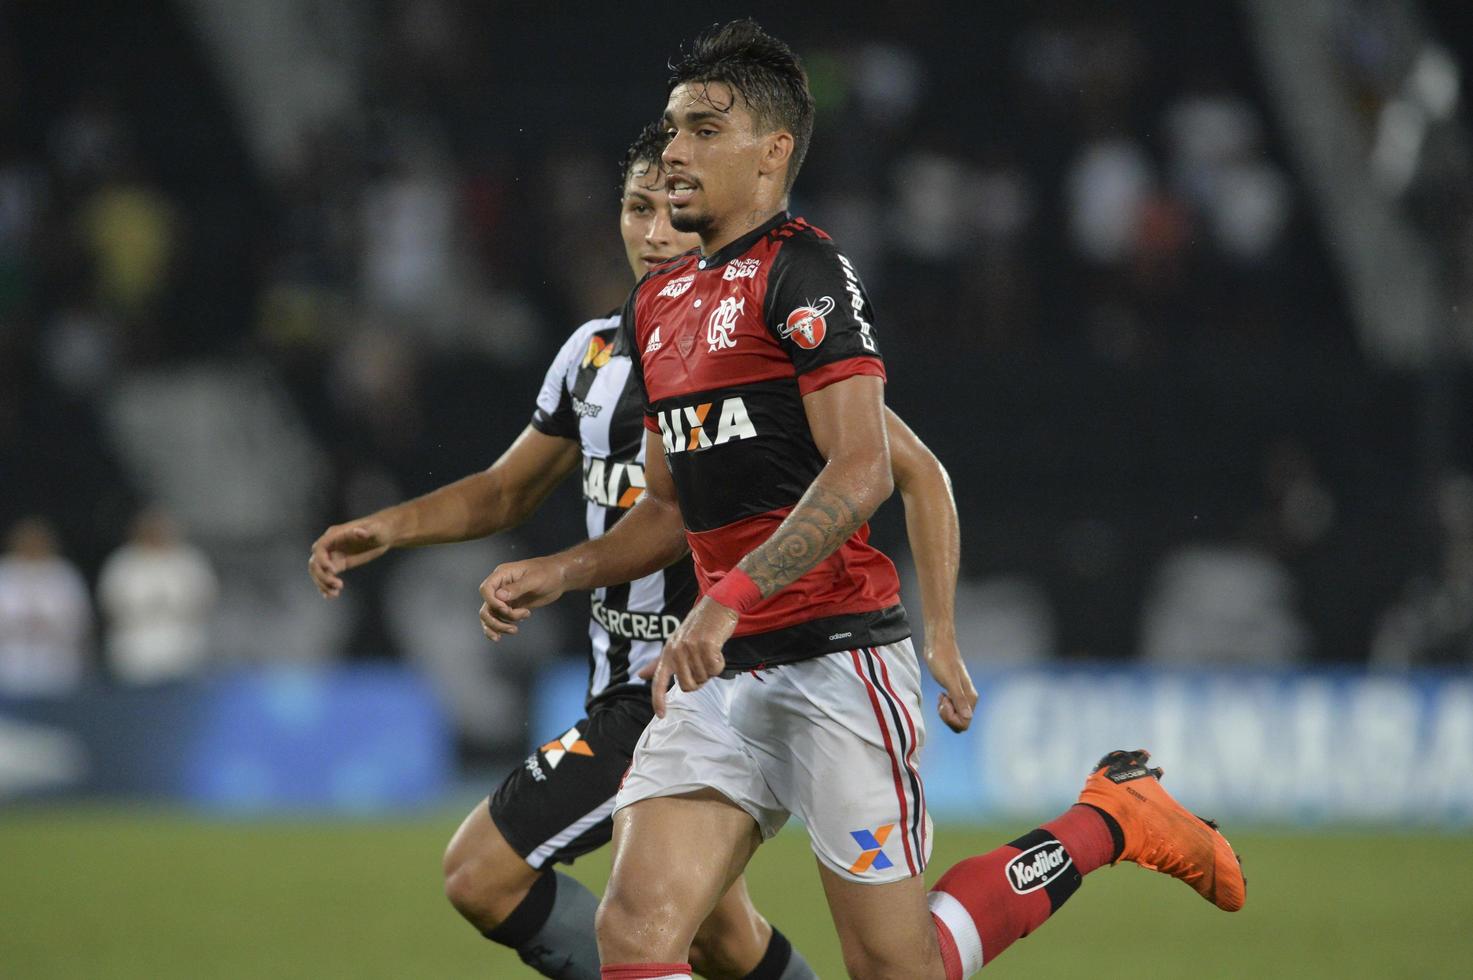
x=589, y=395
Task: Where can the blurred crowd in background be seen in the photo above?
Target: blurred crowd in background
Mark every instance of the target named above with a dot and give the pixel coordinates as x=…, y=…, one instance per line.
x=232, y=313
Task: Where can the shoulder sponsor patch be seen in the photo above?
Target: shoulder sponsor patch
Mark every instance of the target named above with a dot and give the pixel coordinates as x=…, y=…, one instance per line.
x=598, y=353
x=806, y=326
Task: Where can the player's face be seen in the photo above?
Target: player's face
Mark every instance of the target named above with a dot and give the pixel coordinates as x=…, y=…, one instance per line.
x=644, y=221
x=713, y=159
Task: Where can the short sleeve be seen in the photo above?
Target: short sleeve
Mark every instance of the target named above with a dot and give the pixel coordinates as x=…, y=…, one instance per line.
x=818, y=310
x=554, y=415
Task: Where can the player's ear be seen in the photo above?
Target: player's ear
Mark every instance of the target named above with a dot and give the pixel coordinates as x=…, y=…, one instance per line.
x=777, y=150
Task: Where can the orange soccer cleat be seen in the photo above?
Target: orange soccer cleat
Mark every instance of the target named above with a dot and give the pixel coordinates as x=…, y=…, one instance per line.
x=1160, y=833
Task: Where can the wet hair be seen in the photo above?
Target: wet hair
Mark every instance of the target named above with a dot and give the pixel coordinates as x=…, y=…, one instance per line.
x=763, y=71
x=646, y=148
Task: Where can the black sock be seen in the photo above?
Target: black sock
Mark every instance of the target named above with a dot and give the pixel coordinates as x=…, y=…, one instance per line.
x=1116, y=834
x=781, y=962
x=552, y=929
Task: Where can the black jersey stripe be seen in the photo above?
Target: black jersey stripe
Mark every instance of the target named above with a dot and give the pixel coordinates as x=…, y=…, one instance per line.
x=591, y=394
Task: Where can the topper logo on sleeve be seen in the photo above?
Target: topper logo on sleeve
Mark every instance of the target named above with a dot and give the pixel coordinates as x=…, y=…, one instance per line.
x=806, y=325
x=1038, y=866
x=676, y=288
x=685, y=430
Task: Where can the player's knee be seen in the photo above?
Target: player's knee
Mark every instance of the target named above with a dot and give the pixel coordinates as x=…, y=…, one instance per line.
x=630, y=920
x=728, y=947
x=478, y=890
x=875, y=957
x=716, y=955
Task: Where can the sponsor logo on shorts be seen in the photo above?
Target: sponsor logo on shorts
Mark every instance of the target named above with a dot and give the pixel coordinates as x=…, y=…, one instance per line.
x=1037, y=866
x=635, y=625
x=871, y=845
x=535, y=768
x=570, y=744
x=654, y=343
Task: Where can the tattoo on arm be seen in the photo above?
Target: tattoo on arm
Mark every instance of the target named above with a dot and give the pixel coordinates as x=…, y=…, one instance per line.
x=822, y=521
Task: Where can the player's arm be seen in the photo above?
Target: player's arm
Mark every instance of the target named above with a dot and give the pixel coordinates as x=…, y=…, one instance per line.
x=847, y=420
x=495, y=499
x=648, y=538
x=935, y=542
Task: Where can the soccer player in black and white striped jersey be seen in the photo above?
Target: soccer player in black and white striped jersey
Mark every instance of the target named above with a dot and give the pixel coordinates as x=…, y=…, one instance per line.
x=557, y=805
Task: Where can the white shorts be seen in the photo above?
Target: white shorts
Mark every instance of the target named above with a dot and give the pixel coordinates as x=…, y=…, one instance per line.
x=834, y=740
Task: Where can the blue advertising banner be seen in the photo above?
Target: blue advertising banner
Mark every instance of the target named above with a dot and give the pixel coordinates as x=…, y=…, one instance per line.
x=1311, y=747
x=346, y=739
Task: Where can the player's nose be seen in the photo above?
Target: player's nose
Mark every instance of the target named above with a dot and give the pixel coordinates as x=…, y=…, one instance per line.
x=674, y=153
x=660, y=232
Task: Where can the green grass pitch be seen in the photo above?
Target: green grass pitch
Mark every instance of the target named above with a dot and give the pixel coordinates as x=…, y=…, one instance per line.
x=118, y=893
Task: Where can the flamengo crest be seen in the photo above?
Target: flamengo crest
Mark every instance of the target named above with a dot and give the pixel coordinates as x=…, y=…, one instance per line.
x=723, y=321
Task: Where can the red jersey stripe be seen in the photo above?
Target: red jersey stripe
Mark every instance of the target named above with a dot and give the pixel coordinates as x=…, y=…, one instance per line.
x=820, y=378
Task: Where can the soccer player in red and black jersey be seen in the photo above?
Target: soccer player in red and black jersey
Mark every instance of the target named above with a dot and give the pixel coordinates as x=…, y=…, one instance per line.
x=798, y=689
x=500, y=866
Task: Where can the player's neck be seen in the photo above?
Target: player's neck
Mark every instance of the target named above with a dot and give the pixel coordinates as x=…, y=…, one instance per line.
x=719, y=238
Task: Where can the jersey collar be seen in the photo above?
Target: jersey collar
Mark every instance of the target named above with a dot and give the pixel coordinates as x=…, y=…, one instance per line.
x=744, y=244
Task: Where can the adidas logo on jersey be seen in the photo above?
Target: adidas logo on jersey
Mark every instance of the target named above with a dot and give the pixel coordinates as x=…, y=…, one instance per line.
x=654, y=343
x=1036, y=867
x=686, y=429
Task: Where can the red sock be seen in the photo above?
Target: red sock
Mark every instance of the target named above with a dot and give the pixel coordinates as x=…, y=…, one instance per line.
x=646, y=971
x=981, y=905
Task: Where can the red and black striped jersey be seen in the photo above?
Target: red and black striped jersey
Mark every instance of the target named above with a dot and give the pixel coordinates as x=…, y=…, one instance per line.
x=725, y=347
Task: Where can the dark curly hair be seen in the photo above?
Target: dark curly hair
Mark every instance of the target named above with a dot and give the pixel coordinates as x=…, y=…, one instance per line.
x=763, y=71
x=646, y=148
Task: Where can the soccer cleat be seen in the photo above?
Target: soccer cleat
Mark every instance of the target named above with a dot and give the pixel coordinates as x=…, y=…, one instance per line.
x=1161, y=834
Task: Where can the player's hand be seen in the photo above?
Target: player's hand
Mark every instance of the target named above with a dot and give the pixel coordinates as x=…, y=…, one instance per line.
x=513, y=590
x=958, y=696
x=345, y=546
x=692, y=655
